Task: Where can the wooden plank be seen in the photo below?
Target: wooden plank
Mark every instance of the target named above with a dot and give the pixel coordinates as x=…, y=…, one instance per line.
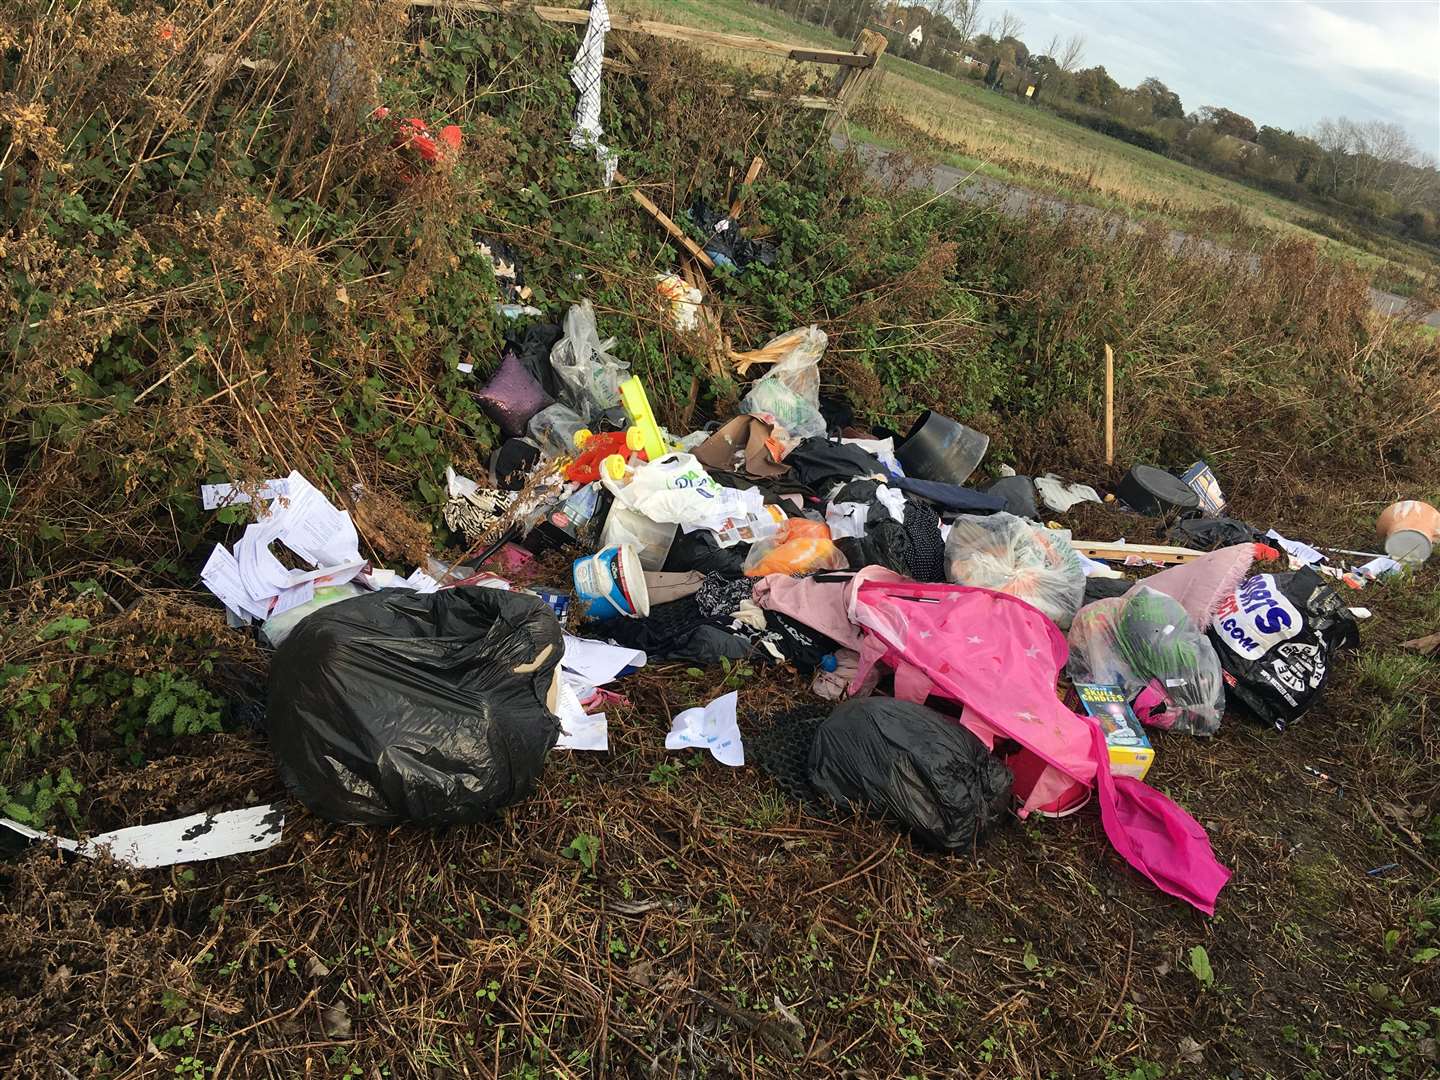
x=1109, y=406
x=668, y=224
x=670, y=31
x=738, y=203
x=1159, y=553
x=803, y=101
x=830, y=56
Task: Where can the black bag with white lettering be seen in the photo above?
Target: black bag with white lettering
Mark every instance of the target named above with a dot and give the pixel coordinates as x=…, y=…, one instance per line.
x=1275, y=637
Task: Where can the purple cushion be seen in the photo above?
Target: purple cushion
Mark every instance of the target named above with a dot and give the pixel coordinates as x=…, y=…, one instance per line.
x=512, y=396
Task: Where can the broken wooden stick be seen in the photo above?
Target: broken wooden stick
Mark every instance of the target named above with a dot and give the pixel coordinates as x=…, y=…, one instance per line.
x=738, y=203
x=668, y=224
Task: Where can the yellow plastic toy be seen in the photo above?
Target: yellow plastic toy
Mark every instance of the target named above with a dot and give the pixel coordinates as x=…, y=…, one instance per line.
x=637, y=408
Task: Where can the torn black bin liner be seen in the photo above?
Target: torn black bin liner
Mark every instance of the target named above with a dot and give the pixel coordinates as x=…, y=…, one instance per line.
x=908, y=765
x=399, y=706
x=1211, y=533
x=726, y=242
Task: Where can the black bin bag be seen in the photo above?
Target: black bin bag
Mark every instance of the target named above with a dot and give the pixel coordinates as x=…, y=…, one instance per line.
x=910, y=766
x=397, y=706
x=1276, y=636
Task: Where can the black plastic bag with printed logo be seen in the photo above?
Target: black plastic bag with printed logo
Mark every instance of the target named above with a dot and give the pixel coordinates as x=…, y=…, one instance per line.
x=1276, y=636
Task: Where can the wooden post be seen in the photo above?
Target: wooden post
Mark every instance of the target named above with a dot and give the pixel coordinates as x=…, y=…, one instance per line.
x=851, y=82
x=1109, y=406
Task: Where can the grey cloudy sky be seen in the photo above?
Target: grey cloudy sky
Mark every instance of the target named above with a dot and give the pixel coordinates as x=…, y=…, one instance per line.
x=1281, y=62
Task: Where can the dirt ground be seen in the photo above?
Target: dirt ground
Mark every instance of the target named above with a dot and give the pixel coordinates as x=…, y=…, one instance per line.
x=655, y=914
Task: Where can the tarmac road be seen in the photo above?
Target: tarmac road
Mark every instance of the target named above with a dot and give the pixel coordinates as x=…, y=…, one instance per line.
x=1018, y=202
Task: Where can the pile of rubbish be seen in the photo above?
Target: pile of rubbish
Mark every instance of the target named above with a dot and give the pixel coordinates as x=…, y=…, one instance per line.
x=968, y=658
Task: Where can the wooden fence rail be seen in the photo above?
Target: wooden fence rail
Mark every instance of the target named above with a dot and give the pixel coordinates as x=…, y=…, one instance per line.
x=855, y=68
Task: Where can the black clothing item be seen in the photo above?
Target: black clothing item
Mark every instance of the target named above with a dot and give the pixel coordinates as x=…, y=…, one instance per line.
x=700, y=551
x=678, y=630
x=962, y=500
x=819, y=463
x=798, y=643
x=532, y=345
x=720, y=596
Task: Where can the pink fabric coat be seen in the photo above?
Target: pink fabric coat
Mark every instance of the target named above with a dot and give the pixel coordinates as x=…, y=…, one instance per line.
x=999, y=657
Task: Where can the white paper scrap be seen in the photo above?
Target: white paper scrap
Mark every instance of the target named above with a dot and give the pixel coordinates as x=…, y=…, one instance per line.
x=293, y=597
x=596, y=663
x=312, y=527
x=579, y=730
x=190, y=839
x=846, y=519
x=214, y=496
x=1301, y=552
x=712, y=727
x=221, y=576
x=420, y=581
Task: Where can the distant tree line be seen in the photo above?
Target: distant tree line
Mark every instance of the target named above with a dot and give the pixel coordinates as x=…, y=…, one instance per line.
x=1369, y=170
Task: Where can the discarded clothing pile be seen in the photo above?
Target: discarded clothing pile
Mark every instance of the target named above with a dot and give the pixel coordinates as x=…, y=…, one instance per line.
x=941, y=621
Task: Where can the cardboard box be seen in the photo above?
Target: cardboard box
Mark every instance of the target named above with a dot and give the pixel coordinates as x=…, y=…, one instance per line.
x=1130, y=751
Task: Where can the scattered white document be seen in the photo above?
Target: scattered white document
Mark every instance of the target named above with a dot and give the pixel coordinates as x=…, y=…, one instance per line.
x=191, y=839
x=579, y=730
x=307, y=523
x=222, y=577
x=712, y=727
x=312, y=527
x=293, y=597
x=214, y=496
x=596, y=663
x=420, y=581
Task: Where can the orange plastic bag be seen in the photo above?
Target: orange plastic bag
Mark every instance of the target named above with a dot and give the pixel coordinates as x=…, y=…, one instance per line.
x=800, y=547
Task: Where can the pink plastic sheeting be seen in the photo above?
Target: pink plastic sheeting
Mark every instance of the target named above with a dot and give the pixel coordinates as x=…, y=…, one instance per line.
x=1200, y=585
x=999, y=657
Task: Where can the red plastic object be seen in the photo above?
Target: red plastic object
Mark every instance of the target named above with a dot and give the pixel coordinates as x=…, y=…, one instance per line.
x=412, y=133
x=1266, y=553
x=585, y=469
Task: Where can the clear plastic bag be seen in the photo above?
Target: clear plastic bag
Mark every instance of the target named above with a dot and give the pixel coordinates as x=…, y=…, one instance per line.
x=790, y=391
x=1009, y=554
x=554, y=428
x=1145, y=640
x=589, y=375
x=800, y=546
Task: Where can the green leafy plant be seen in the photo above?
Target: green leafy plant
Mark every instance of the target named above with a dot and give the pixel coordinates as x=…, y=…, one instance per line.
x=584, y=848
x=1198, y=961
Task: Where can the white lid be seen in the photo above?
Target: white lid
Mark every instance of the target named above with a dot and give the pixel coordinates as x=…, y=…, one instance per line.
x=1408, y=545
